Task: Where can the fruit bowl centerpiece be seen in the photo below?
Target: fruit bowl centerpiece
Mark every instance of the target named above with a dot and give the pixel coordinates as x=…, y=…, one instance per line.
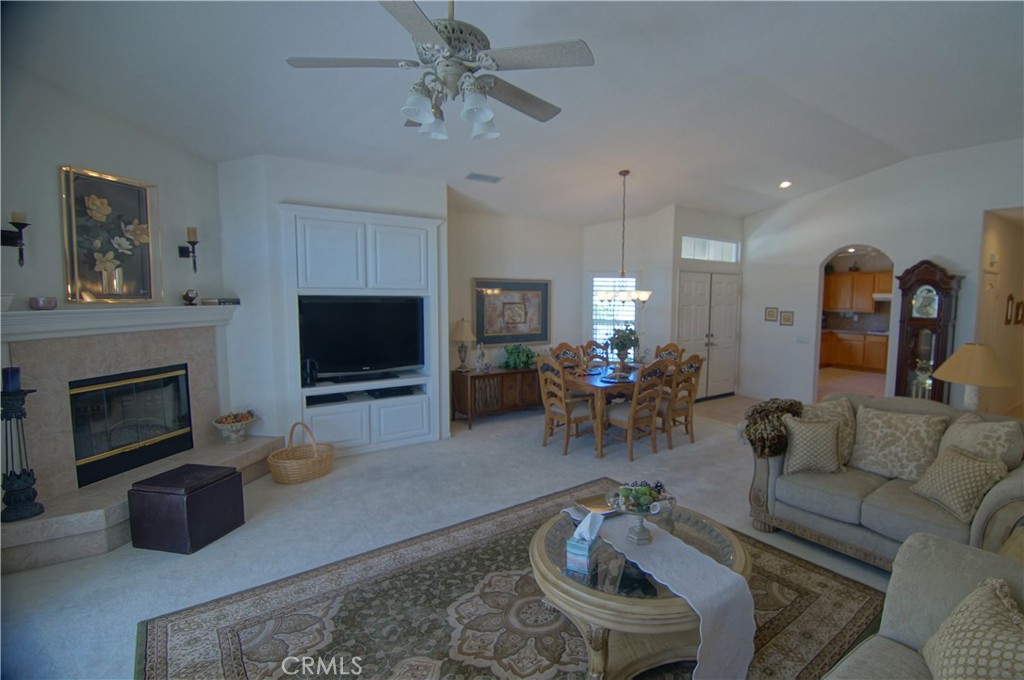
x=641, y=499
x=234, y=426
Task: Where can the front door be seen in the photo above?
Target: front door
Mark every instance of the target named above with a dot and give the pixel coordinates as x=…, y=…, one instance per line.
x=708, y=325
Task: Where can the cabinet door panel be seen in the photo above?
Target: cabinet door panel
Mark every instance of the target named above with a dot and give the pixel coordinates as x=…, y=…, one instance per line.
x=863, y=288
x=883, y=282
x=398, y=257
x=510, y=390
x=876, y=349
x=331, y=254
x=529, y=392
x=399, y=418
x=838, y=292
x=341, y=425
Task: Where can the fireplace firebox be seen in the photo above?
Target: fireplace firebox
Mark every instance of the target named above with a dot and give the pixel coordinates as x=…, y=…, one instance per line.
x=123, y=421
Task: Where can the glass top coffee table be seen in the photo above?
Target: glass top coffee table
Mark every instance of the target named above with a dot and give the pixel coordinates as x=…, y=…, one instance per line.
x=629, y=621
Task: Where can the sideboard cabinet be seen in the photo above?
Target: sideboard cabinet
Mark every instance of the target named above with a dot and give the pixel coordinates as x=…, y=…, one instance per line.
x=500, y=390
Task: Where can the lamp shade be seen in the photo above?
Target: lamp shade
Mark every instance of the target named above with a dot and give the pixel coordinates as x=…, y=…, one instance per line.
x=417, y=108
x=463, y=332
x=973, y=364
x=485, y=130
x=475, y=109
x=435, y=129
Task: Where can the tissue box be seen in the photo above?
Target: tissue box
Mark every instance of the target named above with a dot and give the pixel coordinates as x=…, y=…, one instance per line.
x=579, y=555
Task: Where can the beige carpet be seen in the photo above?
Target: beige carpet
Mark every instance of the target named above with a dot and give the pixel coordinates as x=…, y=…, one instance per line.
x=461, y=602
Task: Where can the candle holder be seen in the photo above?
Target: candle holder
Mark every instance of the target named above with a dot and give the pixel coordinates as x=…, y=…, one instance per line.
x=17, y=239
x=19, y=493
x=189, y=251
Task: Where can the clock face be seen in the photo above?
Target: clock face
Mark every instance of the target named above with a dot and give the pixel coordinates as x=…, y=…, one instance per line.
x=925, y=303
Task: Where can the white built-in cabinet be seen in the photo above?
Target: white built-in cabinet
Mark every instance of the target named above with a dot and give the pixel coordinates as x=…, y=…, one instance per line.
x=341, y=252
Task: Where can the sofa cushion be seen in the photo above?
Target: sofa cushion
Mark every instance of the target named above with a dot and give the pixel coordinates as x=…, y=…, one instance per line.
x=880, y=657
x=837, y=495
x=958, y=481
x=812, y=445
x=893, y=511
x=841, y=411
x=982, y=638
x=985, y=439
x=896, y=444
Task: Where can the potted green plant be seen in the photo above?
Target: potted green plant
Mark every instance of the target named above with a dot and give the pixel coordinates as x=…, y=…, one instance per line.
x=519, y=356
x=624, y=339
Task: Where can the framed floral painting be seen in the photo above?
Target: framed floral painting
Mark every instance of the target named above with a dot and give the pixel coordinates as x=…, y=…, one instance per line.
x=511, y=311
x=110, y=237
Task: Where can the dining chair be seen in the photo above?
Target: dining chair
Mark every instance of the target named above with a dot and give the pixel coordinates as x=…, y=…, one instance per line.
x=671, y=351
x=595, y=354
x=639, y=416
x=678, y=396
x=560, y=409
x=567, y=355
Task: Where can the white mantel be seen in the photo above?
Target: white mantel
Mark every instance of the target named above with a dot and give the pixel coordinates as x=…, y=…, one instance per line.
x=66, y=323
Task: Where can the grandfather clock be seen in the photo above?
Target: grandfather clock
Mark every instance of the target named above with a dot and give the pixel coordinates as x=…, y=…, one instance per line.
x=927, y=321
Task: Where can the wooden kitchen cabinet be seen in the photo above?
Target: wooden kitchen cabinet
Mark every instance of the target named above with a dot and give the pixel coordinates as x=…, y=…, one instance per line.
x=500, y=390
x=849, y=349
x=827, y=353
x=883, y=282
x=863, y=289
x=838, y=295
x=876, y=352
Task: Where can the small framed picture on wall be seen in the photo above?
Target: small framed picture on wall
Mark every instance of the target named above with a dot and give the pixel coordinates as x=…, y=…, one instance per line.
x=785, y=318
x=771, y=313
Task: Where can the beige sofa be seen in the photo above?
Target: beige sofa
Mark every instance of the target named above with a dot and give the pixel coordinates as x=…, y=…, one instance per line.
x=867, y=514
x=930, y=577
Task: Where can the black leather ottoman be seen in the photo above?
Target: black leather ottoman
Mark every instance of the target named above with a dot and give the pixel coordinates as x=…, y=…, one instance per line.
x=186, y=508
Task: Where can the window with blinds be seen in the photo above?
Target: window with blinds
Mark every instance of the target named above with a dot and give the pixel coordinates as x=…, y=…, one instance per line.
x=609, y=314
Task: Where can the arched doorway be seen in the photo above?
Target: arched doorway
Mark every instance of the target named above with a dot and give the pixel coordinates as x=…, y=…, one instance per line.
x=856, y=306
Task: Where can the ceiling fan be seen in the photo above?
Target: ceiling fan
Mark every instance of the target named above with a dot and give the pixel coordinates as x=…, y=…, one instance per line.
x=451, y=53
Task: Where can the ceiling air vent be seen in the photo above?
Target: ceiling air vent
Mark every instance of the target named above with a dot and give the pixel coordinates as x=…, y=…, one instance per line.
x=480, y=177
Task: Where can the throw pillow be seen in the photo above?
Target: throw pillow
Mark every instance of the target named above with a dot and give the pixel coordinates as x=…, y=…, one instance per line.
x=958, y=481
x=841, y=411
x=992, y=440
x=982, y=638
x=812, y=445
x=895, y=444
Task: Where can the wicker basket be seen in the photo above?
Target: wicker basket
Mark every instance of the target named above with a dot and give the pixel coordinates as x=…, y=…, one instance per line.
x=294, y=464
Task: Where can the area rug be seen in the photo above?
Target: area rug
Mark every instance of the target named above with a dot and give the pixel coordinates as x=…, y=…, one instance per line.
x=461, y=603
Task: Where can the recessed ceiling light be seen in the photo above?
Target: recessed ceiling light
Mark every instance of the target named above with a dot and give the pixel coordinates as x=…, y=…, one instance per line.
x=785, y=184
x=851, y=250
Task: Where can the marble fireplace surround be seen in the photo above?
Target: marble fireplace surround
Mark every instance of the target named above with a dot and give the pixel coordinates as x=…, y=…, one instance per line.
x=55, y=347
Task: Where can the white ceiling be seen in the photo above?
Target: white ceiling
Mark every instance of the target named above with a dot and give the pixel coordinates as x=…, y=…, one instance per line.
x=710, y=104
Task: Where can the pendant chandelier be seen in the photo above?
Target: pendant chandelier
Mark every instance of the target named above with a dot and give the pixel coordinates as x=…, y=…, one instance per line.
x=623, y=289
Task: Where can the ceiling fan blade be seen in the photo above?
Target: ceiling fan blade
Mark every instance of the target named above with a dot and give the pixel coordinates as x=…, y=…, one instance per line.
x=545, y=55
x=415, y=21
x=522, y=101
x=330, y=62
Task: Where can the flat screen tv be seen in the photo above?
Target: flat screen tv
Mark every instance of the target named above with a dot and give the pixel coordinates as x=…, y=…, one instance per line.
x=353, y=335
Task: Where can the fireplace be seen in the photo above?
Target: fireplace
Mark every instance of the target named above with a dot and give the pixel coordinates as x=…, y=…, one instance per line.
x=120, y=422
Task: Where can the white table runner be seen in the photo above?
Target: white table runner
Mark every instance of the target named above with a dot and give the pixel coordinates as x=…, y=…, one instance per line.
x=718, y=595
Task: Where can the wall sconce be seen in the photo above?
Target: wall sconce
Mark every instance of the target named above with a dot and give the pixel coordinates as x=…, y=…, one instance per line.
x=19, y=221
x=191, y=238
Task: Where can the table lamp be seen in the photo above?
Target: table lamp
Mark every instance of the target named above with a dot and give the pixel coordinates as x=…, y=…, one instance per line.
x=974, y=365
x=463, y=334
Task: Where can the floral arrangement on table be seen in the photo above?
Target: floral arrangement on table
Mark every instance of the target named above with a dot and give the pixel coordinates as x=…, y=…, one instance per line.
x=107, y=241
x=519, y=356
x=639, y=497
x=624, y=339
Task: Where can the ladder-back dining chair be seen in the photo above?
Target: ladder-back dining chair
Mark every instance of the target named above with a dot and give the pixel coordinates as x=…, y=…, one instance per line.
x=639, y=416
x=679, y=395
x=567, y=355
x=595, y=354
x=560, y=410
x=671, y=351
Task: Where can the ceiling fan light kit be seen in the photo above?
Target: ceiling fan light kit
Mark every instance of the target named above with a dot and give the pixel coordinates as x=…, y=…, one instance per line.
x=451, y=53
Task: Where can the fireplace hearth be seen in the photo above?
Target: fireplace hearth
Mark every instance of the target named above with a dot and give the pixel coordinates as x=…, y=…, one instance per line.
x=123, y=421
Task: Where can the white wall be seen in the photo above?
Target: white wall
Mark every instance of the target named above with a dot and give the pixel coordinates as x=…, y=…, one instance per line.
x=930, y=207
x=498, y=247
x=256, y=248
x=42, y=130
x=1003, y=238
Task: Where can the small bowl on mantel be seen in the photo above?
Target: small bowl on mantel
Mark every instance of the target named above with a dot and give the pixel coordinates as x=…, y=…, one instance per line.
x=39, y=302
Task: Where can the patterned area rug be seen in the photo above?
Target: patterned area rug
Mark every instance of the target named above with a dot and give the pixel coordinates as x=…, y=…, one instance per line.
x=461, y=603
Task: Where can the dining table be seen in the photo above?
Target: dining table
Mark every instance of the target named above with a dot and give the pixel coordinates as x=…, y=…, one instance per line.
x=601, y=382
